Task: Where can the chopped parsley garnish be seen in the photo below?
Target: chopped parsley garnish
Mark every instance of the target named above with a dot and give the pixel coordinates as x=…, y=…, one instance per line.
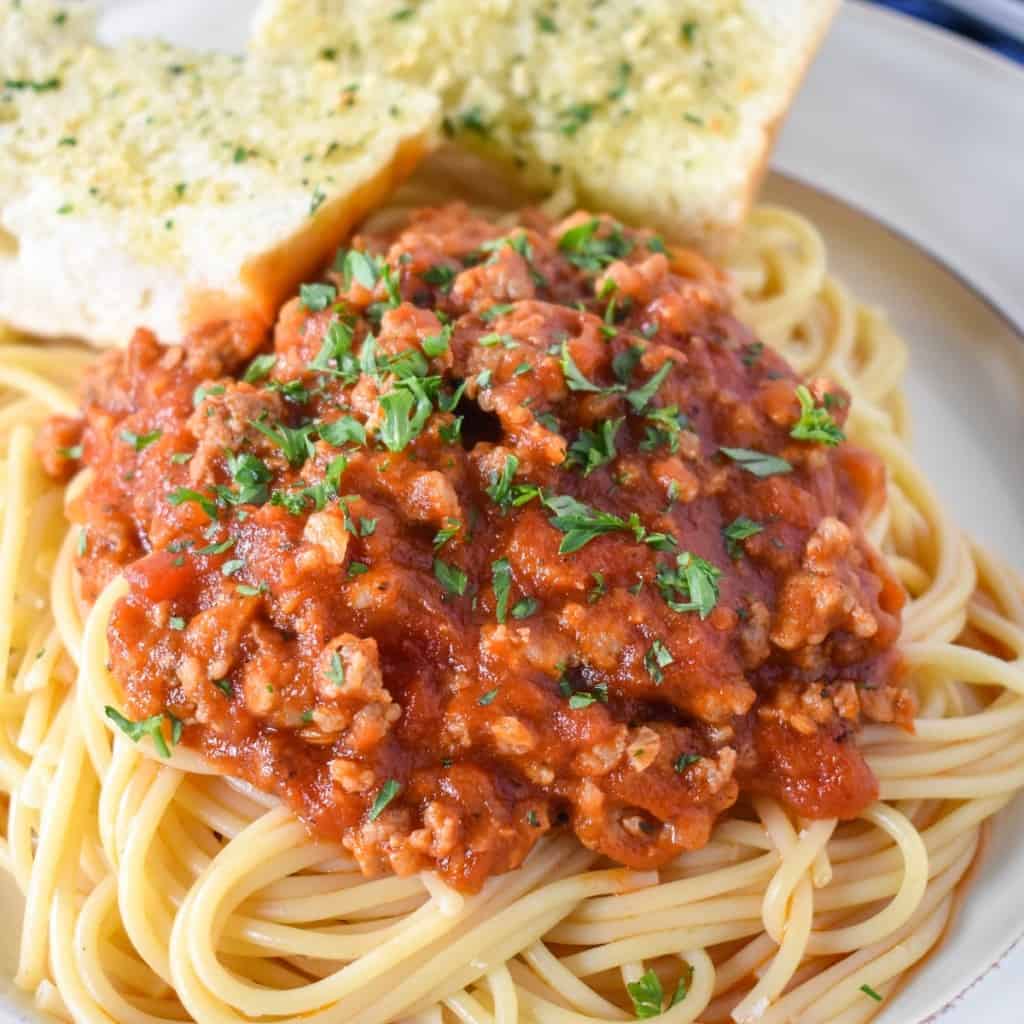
x=640, y=398
x=581, y=524
x=594, y=448
x=180, y=458
x=336, y=670
x=495, y=339
x=73, y=453
x=739, y=529
x=625, y=363
x=453, y=579
x=216, y=549
x=385, y=795
x=657, y=657
x=335, y=355
x=574, y=379
x=599, y=589
x=407, y=407
x=546, y=23
x=358, y=266
x=294, y=442
x=667, y=424
x=343, y=431
x=357, y=569
x=649, y=998
x=152, y=727
x=759, y=463
x=224, y=685
x=141, y=441
x=587, y=251
x=246, y=590
x=446, y=533
x=691, y=587
x=233, y=566
x=367, y=527
x=437, y=344
x=251, y=475
x=574, y=117
x=524, y=608
x=180, y=495
x=495, y=311
x=871, y=993
x=440, y=277
x=176, y=622
x=317, y=297
x=500, y=489
x=683, y=761
x=488, y=697
x=753, y=353
x=202, y=393
x=815, y=423
x=259, y=369
x=43, y=85
x=501, y=578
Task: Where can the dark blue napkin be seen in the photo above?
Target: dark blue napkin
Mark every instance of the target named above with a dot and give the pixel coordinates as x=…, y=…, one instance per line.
x=947, y=17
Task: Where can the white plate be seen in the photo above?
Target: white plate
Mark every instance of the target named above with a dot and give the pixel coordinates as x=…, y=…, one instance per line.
x=927, y=134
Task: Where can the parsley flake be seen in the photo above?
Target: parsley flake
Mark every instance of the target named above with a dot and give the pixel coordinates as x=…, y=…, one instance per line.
x=815, y=423
x=385, y=795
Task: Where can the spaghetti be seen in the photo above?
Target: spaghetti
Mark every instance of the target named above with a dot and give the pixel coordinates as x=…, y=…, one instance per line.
x=158, y=890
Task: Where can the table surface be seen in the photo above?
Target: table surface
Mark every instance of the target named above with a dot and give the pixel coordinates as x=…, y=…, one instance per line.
x=955, y=19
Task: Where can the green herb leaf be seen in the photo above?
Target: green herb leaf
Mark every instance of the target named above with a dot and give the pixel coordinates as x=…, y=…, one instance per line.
x=593, y=449
x=446, y=533
x=759, y=463
x=360, y=267
x=152, y=727
x=342, y=431
x=574, y=379
x=259, y=369
x=440, y=277
x=488, y=697
x=657, y=658
x=580, y=523
x=815, y=424
x=683, y=761
x=317, y=297
x=216, y=549
x=294, y=442
x=640, y=398
x=647, y=995
x=176, y=622
x=437, y=344
x=587, y=251
x=500, y=488
x=453, y=579
x=871, y=993
x=182, y=494
x=385, y=795
x=694, y=579
x=524, y=608
x=141, y=441
x=501, y=574
x=336, y=670
x=225, y=687
x=739, y=529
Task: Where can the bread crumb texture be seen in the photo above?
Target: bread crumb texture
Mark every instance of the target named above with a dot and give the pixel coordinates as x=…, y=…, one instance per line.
x=152, y=172
x=661, y=111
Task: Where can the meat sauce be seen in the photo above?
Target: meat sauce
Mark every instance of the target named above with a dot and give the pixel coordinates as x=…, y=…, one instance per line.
x=509, y=528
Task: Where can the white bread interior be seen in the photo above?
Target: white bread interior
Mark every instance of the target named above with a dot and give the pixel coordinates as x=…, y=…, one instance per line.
x=663, y=112
x=151, y=186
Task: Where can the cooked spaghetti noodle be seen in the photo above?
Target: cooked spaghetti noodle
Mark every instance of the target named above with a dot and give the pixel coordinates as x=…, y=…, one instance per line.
x=159, y=890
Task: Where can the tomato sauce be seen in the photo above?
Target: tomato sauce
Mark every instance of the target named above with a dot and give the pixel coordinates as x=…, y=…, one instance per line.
x=508, y=528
